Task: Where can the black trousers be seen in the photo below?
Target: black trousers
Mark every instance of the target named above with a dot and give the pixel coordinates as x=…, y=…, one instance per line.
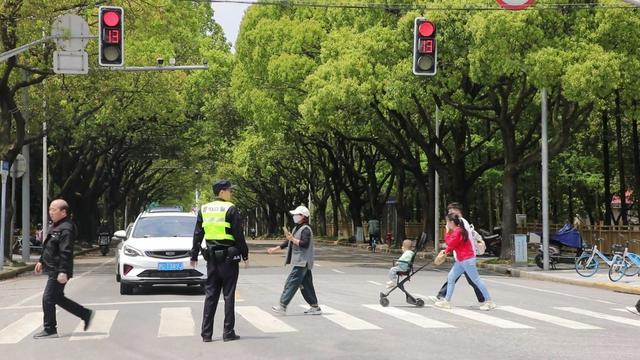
x=220, y=277
x=443, y=291
x=54, y=295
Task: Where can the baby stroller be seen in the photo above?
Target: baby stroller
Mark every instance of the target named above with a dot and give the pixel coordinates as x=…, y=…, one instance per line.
x=384, y=301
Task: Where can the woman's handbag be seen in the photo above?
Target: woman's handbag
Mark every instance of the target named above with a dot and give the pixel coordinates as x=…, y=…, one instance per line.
x=440, y=258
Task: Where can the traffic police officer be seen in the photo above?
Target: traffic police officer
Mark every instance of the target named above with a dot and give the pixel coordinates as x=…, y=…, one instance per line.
x=219, y=223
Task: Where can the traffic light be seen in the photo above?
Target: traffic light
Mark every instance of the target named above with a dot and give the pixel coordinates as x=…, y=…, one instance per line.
x=425, y=47
x=111, y=36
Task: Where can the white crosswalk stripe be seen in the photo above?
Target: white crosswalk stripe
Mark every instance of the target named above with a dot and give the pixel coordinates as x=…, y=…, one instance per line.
x=598, y=315
x=100, y=326
x=263, y=320
x=345, y=320
x=410, y=317
x=548, y=318
x=487, y=319
x=20, y=328
x=176, y=322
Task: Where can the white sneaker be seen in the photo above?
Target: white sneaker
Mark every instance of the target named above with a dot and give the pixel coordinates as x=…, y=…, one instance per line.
x=433, y=299
x=442, y=304
x=314, y=310
x=487, y=305
x=279, y=309
x=390, y=284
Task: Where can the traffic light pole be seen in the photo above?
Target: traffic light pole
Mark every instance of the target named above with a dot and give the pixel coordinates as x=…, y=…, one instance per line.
x=158, y=68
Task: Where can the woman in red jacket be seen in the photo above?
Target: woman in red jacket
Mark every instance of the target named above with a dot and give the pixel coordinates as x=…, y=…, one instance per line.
x=457, y=240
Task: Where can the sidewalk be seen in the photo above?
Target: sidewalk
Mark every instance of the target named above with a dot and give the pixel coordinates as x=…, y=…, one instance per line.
x=9, y=272
x=566, y=275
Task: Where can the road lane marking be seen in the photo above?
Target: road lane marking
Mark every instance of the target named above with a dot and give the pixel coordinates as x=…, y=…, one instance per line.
x=345, y=320
x=548, y=291
x=176, y=322
x=337, y=271
x=119, y=303
x=410, y=317
x=263, y=320
x=598, y=315
x=487, y=319
x=20, y=328
x=374, y=283
x=548, y=318
x=100, y=326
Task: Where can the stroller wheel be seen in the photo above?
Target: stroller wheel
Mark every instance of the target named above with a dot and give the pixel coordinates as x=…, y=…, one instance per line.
x=384, y=301
x=419, y=302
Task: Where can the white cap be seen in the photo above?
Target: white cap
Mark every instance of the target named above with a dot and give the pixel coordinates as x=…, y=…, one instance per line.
x=301, y=210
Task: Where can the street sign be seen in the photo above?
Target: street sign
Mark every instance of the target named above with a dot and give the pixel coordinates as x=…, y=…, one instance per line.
x=515, y=4
x=70, y=62
x=18, y=167
x=72, y=32
x=4, y=167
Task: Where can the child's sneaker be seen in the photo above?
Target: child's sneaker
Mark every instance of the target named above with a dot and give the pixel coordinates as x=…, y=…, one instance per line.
x=442, y=304
x=279, y=309
x=390, y=284
x=314, y=310
x=487, y=305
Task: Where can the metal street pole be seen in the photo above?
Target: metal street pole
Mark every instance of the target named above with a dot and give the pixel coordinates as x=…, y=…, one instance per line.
x=45, y=179
x=26, y=209
x=2, y=222
x=545, y=183
x=436, y=200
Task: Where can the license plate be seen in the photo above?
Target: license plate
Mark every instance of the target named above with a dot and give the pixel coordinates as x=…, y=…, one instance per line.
x=103, y=240
x=170, y=266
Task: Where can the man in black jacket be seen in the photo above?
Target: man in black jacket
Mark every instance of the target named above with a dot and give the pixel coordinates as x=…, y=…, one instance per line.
x=57, y=261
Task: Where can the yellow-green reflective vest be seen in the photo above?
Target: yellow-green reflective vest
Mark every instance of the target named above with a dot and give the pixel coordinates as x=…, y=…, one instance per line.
x=214, y=223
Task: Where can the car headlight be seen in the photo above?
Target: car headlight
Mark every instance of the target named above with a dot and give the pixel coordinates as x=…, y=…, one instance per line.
x=131, y=251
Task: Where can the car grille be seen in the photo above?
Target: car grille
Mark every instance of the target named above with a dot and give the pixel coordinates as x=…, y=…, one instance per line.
x=170, y=274
x=168, y=254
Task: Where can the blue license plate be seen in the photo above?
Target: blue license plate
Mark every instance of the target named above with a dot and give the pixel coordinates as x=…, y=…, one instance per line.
x=170, y=266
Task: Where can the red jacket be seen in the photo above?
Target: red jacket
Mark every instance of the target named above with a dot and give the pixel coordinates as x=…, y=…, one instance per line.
x=463, y=249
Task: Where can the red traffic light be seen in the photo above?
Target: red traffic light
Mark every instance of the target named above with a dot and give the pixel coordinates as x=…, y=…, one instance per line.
x=111, y=18
x=426, y=28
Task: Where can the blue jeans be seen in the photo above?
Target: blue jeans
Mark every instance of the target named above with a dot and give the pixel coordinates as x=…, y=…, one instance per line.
x=300, y=277
x=468, y=266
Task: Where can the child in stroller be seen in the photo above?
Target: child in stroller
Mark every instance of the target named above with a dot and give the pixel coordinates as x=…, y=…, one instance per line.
x=402, y=264
x=403, y=267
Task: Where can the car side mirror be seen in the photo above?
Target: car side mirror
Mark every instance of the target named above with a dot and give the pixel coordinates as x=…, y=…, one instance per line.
x=121, y=234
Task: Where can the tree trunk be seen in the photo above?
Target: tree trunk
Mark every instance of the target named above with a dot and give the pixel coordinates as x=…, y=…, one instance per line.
x=607, y=168
x=509, y=207
x=621, y=161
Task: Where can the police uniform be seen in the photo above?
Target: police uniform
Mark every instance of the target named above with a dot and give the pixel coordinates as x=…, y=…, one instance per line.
x=220, y=225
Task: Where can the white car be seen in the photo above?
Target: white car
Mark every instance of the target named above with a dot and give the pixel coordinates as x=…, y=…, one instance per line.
x=156, y=249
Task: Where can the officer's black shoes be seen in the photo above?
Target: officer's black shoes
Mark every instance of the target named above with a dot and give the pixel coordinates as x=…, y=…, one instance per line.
x=230, y=336
x=206, y=339
x=44, y=334
x=88, y=319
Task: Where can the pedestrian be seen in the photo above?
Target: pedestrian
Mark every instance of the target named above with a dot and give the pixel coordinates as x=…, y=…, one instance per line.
x=374, y=233
x=220, y=225
x=457, y=239
x=57, y=261
x=402, y=262
x=300, y=255
x=456, y=208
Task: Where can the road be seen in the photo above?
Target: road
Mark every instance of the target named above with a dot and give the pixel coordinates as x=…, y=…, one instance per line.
x=534, y=319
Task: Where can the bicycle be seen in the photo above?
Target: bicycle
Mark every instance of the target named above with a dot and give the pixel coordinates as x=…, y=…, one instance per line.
x=587, y=264
x=627, y=264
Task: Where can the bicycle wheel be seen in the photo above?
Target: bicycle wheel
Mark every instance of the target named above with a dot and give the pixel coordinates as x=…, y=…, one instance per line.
x=632, y=265
x=617, y=269
x=586, y=268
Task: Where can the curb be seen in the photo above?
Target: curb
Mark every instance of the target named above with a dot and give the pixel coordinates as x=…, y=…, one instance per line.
x=15, y=272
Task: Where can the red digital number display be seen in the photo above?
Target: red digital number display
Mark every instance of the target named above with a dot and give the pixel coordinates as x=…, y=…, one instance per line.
x=425, y=46
x=113, y=36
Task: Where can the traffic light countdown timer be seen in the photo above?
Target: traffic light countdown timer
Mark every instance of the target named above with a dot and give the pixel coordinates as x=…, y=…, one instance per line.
x=111, y=36
x=425, y=47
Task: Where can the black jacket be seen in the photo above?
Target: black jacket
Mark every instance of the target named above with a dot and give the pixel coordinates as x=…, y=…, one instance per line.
x=232, y=217
x=57, y=252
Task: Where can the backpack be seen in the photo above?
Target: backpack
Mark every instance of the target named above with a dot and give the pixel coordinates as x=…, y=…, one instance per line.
x=481, y=247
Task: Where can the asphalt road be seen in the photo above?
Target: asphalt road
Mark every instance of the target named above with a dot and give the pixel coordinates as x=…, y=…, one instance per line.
x=534, y=319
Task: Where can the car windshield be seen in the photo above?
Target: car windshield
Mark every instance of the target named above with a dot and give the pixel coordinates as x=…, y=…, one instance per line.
x=165, y=226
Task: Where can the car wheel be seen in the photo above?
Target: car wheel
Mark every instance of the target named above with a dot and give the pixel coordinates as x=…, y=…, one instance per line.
x=125, y=289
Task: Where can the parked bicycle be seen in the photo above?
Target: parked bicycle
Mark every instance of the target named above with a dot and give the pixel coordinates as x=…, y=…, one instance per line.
x=627, y=264
x=588, y=263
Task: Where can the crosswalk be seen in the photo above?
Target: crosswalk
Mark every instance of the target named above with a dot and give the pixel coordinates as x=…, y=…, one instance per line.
x=184, y=321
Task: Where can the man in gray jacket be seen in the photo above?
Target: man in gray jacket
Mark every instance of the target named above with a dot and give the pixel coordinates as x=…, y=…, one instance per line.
x=300, y=255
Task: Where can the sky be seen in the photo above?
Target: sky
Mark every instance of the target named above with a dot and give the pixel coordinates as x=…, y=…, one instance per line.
x=229, y=15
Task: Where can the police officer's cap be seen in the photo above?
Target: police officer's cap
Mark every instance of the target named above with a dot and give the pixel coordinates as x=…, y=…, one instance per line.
x=221, y=184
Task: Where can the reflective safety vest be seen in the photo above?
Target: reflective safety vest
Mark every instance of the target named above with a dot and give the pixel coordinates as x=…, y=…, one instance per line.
x=215, y=226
